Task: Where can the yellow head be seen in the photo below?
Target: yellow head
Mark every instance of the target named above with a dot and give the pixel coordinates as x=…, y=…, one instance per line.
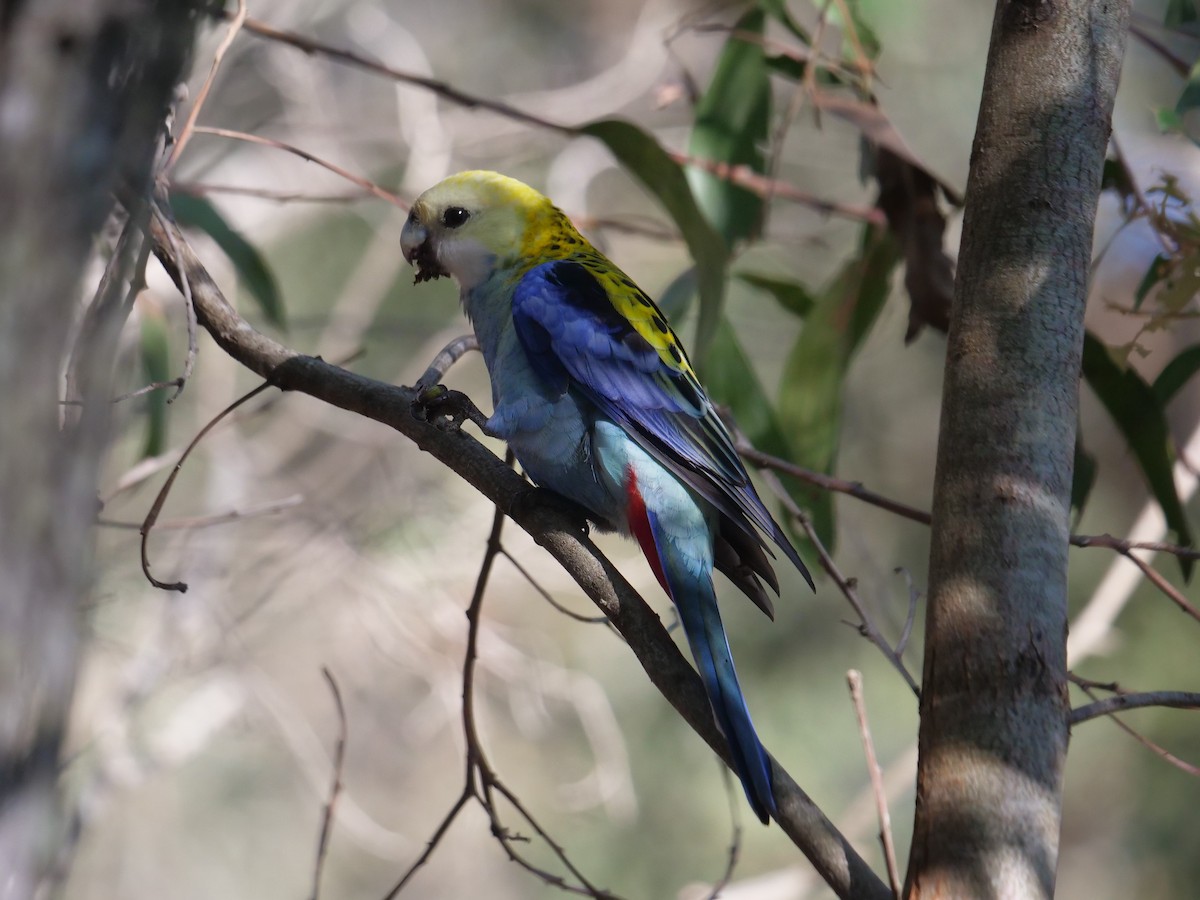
x=473, y=223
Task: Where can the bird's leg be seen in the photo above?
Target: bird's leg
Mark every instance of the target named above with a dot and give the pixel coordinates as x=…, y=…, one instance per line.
x=447, y=409
x=448, y=356
x=436, y=403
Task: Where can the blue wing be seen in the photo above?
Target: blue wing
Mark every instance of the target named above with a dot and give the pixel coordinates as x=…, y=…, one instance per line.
x=575, y=337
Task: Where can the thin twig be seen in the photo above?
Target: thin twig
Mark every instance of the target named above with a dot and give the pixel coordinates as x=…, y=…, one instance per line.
x=1154, y=748
x=830, y=483
x=335, y=788
x=1154, y=577
x=910, y=617
x=480, y=780
x=237, y=19
x=364, y=183
x=144, y=389
x=743, y=176
x=1181, y=66
x=735, y=841
x=189, y=361
x=123, y=279
x=474, y=748
x=1123, y=545
x=193, y=522
x=475, y=756
x=862, y=61
x=440, y=88
x=1144, y=205
x=866, y=626
x=156, y=507
x=548, y=597
x=855, y=680
x=1121, y=702
x=1085, y=683
x=644, y=226
x=585, y=887
x=855, y=489
x=200, y=189
x=799, y=53
x=808, y=84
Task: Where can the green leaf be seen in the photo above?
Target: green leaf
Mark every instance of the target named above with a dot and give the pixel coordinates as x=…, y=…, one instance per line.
x=156, y=366
x=677, y=296
x=197, y=212
x=1138, y=413
x=1156, y=273
x=646, y=160
x=787, y=66
x=1168, y=119
x=1115, y=177
x=732, y=122
x=1177, y=373
x=777, y=10
x=1190, y=98
x=867, y=39
x=1180, y=12
x=1180, y=286
x=732, y=382
x=1084, y=477
x=791, y=295
x=811, y=393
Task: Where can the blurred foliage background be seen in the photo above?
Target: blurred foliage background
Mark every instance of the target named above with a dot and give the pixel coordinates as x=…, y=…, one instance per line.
x=204, y=732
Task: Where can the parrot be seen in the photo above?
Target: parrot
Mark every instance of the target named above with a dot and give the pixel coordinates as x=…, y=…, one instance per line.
x=598, y=401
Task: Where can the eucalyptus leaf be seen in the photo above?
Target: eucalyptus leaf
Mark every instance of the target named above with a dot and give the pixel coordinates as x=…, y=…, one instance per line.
x=810, y=398
x=1137, y=411
x=1176, y=374
x=197, y=212
x=731, y=127
x=156, y=367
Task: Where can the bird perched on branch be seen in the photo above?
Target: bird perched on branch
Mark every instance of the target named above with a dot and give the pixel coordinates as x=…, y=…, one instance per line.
x=595, y=395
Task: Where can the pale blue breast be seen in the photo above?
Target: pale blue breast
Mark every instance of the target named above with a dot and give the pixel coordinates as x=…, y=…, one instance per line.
x=549, y=430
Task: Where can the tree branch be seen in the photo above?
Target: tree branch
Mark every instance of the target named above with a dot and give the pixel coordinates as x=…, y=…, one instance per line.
x=1121, y=702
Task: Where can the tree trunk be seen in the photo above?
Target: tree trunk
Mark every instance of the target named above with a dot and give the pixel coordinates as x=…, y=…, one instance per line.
x=993, y=734
x=84, y=88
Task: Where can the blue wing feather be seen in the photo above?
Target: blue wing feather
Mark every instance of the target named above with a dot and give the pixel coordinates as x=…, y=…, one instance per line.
x=570, y=329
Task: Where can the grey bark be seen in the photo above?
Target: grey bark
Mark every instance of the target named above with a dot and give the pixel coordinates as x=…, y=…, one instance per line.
x=994, y=713
x=84, y=88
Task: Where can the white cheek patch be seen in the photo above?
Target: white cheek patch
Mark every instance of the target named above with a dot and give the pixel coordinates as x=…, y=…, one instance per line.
x=467, y=260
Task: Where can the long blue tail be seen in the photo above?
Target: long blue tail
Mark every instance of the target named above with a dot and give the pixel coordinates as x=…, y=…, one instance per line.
x=691, y=590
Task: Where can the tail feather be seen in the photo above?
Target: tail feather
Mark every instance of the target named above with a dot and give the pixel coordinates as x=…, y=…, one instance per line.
x=693, y=595
x=697, y=605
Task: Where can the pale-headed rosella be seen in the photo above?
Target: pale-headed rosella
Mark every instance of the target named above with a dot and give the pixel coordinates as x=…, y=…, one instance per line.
x=599, y=403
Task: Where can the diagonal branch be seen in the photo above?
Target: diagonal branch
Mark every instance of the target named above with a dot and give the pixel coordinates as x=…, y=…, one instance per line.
x=800, y=818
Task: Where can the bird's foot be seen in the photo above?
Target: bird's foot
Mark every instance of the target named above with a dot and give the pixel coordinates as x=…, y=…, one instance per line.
x=445, y=408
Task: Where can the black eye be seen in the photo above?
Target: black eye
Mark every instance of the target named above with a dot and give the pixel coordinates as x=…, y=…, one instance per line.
x=454, y=216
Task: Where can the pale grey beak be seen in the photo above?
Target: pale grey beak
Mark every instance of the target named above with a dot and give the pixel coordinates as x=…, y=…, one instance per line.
x=417, y=245
x=412, y=238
